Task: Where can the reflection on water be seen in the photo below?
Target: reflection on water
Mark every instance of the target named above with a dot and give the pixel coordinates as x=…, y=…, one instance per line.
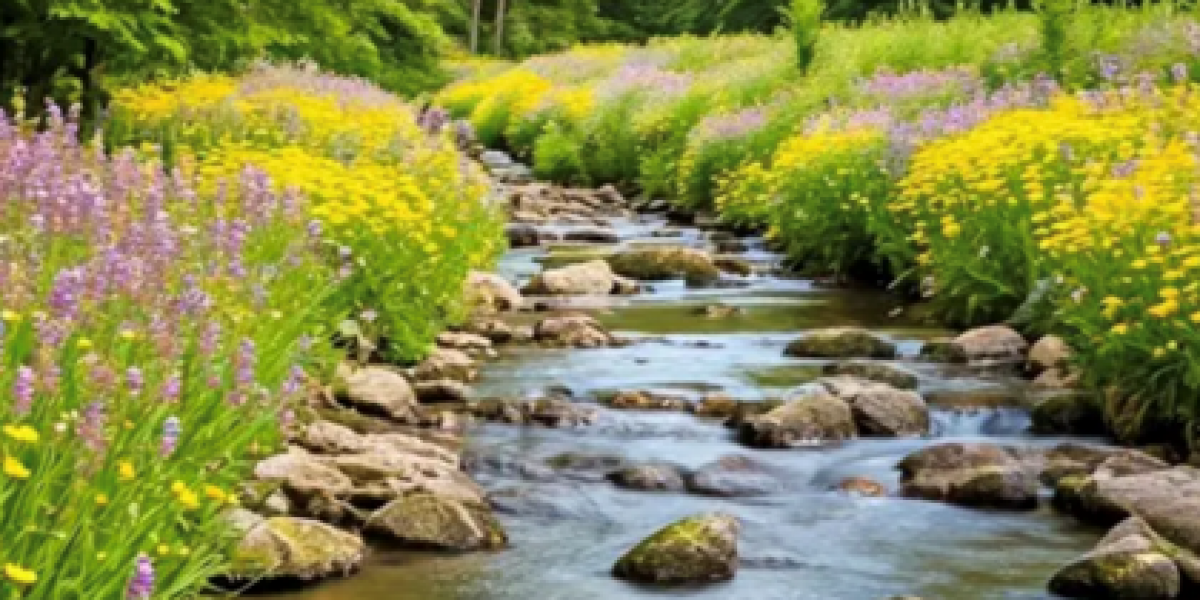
x=802, y=542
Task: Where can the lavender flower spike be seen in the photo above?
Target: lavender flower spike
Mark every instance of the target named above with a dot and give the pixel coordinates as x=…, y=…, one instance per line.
x=170, y=438
x=23, y=391
x=142, y=585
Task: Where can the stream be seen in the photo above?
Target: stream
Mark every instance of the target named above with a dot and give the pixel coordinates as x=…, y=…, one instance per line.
x=801, y=540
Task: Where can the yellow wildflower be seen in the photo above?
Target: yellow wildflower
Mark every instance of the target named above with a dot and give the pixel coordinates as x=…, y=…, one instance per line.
x=13, y=468
x=21, y=433
x=125, y=470
x=19, y=575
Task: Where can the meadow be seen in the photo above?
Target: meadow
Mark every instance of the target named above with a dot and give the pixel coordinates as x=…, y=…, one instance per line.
x=172, y=290
x=1032, y=167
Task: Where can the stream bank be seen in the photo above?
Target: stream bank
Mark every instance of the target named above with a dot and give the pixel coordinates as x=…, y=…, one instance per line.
x=833, y=519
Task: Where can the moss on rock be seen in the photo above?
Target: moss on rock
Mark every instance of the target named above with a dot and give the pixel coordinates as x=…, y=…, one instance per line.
x=701, y=548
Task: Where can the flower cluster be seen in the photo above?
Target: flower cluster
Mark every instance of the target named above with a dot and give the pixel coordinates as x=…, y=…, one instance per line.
x=129, y=293
x=383, y=181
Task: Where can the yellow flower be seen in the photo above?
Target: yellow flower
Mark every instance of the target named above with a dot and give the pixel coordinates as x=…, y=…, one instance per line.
x=215, y=493
x=21, y=433
x=125, y=470
x=164, y=550
x=101, y=556
x=84, y=344
x=183, y=551
x=1121, y=328
x=10, y=316
x=128, y=334
x=13, y=468
x=188, y=499
x=19, y=575
x=101, y=500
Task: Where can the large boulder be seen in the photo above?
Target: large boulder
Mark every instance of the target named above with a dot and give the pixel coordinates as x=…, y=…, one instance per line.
x=880, y=409
x=895, y=376
x=991, y=345
x=697, y=549
x=292, y=548
x=592, y=278
x=427, y=520
x=492, y=293
x=975, y=475
x=1108, y=497
x=571, y=331
x=1127, y=563
x=326, y=437
x=734, y=476
x=666, y=262
x=446, y=364
x=380, y=391
x=303, y=474
x=841, y=342
x=652, y=477
x=809, y=416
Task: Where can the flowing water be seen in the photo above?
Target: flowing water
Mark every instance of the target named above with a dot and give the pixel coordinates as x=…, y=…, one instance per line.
x=801, y=541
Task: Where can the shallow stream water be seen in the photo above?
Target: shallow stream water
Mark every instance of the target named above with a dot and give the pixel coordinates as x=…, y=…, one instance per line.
x=804, y=540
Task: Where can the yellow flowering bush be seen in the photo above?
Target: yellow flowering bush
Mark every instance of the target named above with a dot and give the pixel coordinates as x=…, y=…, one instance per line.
x=819, y=194
x=492, y=103
x=412, y=216
x=1094, y=197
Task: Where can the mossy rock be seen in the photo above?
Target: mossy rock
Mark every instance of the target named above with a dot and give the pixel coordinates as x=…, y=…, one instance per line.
x=294, y=548
x=425, y=520
x=698, y=549
x=841, y=342
x=895, y=376
x=658, y=264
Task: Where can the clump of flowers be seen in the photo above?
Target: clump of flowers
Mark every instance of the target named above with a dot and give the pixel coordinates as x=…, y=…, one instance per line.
x=129, y=293
x=379, y=178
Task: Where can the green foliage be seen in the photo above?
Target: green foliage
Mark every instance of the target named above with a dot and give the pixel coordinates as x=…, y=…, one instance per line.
x=76, y=50
x=806, y=26
x=1054, y=20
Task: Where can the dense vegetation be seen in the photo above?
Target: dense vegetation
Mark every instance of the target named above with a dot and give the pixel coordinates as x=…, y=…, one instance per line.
x=1037, y=166
x=170, y=304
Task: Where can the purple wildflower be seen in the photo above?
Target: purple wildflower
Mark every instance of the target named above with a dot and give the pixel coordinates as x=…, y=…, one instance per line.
x=141, y=586
x=135, y=381
x=91, y=426
x=1163, y=239
x=23, y=390
x=170, y=437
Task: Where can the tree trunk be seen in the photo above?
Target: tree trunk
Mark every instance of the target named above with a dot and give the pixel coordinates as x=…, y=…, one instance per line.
x=476, y=9
x=500, y=8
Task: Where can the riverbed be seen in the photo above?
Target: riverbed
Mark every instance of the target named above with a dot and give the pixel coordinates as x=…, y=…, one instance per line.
x=803, y=539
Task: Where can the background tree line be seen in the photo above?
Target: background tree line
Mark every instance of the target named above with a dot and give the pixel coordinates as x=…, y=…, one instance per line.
x=77, y=50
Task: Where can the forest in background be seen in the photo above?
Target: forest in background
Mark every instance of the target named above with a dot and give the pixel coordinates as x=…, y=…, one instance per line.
x=76, y=50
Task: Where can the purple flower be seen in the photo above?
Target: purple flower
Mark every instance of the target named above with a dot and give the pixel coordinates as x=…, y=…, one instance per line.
x=23, y=390
x=244, y=363
x=141, y=586
x=1179, y=72
x=1163, y=239
x=91, y=426
x=170, y=437
x=135, y=381
x=171, y=388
